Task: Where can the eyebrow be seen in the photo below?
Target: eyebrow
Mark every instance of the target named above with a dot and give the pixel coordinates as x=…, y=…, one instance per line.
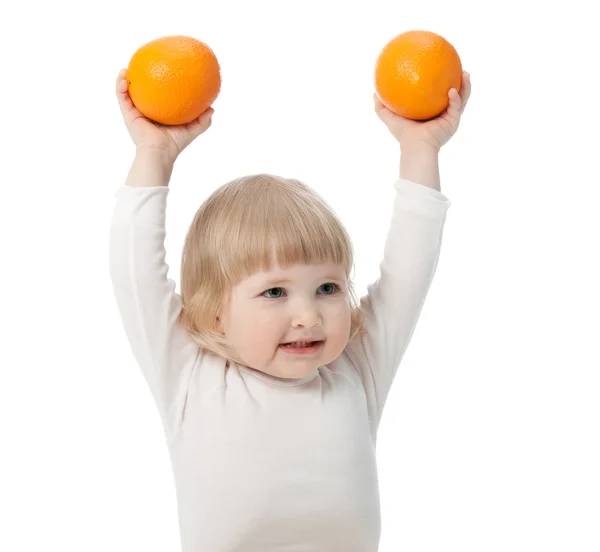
x=277, y=281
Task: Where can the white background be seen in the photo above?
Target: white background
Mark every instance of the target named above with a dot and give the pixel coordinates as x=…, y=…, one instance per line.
x=490, y=437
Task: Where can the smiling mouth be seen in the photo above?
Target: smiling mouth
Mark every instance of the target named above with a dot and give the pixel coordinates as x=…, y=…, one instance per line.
x=307, y=347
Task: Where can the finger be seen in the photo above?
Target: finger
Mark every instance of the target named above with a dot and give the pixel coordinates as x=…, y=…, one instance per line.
x=379, y=108
x=206, y=116
x=453, y=111
x=128, y=109
x=205, y=120
x=200, y=125
x=121, y=79
x=465, y=91
x=121, y=83
x=455, y=103
x=124, y=99
x=378, y=103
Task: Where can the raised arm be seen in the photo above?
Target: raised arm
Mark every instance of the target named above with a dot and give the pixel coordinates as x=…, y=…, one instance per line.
x=145, y=296
x=394, y=301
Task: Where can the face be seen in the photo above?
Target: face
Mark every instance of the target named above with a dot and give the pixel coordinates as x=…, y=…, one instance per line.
x=280, y=306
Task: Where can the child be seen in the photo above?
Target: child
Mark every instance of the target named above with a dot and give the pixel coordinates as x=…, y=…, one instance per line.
x=273, y=446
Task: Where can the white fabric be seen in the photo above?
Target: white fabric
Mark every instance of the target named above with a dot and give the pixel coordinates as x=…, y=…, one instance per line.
x=262, y=464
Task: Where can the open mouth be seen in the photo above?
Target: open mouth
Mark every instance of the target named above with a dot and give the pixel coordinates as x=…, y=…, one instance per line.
x=301, y=348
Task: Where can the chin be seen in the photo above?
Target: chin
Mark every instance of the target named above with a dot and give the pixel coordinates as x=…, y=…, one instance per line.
x=297, y=373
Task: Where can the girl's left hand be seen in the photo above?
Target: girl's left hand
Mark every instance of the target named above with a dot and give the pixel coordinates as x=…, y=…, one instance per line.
x=434, y=132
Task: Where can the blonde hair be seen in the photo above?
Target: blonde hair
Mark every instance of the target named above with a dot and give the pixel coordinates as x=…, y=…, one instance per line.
x=232, y=236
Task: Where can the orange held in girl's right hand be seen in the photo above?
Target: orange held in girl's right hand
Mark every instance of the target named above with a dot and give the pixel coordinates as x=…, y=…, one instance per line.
x=165, y=94
x=174, y=79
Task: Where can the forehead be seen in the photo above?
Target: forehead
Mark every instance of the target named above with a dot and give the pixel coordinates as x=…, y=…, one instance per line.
x=299, y=273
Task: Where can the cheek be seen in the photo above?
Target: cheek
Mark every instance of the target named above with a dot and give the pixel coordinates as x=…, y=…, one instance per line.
x=257, y=327
x=339, y=319
x=346, y=321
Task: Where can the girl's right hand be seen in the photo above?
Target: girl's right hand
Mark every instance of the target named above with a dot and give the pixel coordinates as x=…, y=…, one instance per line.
x=149, y=134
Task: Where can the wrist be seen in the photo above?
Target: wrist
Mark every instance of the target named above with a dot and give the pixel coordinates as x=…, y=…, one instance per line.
x=156, y=154
x=418, y=148
x=151, y=167
x=419, y=163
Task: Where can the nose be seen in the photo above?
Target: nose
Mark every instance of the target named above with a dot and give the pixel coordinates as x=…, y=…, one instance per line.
x=305, y=315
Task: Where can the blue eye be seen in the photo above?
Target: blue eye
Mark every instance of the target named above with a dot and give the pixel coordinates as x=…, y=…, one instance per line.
x=272, y=290
x=334, y=286
x=334, y=289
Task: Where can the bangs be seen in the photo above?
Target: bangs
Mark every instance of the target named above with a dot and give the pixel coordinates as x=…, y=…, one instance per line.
x=279, y=223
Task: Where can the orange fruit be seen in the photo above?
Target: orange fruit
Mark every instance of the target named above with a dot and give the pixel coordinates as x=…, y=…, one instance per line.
x=414, y=73
x=174, y=79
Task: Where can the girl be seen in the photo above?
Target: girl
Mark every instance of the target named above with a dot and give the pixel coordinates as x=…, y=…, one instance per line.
x=269, y=376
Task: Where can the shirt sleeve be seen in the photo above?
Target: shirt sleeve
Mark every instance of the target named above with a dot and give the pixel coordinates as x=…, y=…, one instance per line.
x=146, y=298
x=394, y=301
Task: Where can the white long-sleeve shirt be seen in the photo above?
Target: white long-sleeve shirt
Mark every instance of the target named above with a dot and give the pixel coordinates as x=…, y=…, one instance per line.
x=263, y=464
